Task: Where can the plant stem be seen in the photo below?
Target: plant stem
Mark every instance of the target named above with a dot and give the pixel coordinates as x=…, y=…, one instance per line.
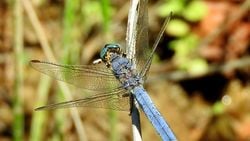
x=38, y=120
x=18, y=126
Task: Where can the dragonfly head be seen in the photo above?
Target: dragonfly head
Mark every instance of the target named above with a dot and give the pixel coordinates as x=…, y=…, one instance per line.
x=107, y=50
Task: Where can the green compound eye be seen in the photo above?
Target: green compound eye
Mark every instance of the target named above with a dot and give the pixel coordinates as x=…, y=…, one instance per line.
x=107, y=48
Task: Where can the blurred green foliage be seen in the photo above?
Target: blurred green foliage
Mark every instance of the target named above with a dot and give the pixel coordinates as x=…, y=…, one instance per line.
x=193, y=10
x=185, y=54
x=185, y=42
x=90, y=8
x=178, y=28
x=218, y=108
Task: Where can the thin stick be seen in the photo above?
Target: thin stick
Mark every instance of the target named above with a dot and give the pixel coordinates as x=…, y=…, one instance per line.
x=130, y=50
x=135, y=117
x=131, y=30
x=48, y=53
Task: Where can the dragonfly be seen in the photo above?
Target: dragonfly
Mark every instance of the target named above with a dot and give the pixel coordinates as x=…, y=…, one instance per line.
x=114, y=78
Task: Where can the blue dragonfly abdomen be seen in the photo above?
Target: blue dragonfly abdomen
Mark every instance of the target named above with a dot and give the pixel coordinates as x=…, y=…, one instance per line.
x=153, y=114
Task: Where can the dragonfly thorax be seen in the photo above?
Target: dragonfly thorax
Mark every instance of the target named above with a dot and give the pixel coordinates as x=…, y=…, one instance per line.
x=121, y=66
x=124, y=72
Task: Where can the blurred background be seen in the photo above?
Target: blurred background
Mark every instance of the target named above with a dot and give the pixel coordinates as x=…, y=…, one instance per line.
x=199, y=78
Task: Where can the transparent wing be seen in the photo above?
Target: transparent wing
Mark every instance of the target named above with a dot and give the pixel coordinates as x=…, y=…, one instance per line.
x=147, y=65
x=116, y=100
x=142, y=47
x=92, y=77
